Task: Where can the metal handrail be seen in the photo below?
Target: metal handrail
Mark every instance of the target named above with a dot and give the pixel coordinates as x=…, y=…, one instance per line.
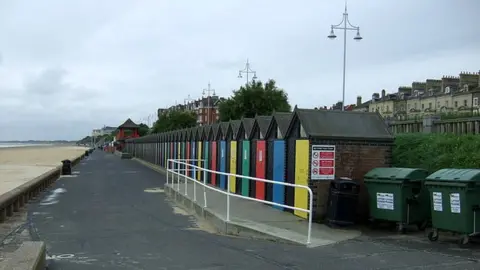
x=228, y=193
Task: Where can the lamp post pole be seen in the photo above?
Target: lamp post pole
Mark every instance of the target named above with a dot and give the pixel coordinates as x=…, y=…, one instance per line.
x=247, y=70
x=208, y=91
x=345, y=25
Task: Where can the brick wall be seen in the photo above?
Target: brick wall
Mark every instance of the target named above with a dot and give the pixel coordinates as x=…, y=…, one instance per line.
x=353, y=159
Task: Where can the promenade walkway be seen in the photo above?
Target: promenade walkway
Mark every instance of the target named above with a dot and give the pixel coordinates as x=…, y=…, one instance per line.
x=114, y=214
x=266, y=221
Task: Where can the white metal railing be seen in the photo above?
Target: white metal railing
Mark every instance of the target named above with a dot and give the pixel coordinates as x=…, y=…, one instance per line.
x=179, y=173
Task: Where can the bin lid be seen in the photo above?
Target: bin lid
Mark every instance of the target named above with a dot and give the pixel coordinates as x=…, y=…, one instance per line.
x=463, y=175
x=388, y=174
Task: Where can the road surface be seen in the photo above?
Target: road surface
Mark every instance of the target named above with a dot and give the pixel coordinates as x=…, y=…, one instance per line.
x=113, y=214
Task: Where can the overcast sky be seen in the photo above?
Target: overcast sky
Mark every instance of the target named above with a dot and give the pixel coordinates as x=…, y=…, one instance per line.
x=67, y=67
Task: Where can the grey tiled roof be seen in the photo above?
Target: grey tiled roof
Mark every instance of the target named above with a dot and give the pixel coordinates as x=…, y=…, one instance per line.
x=263, y=123
x=343, y=124
x=215, y=128
x=283, y=120
x=248, y=125
x=128, y=124
x=206, y=131
x=224, y=127
x=235, y=126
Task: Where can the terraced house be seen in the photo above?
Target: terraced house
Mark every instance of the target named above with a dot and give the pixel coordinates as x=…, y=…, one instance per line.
x=449, y=94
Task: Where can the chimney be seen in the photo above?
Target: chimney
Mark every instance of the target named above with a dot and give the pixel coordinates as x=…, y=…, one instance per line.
x=359, y=100
x=383, y=93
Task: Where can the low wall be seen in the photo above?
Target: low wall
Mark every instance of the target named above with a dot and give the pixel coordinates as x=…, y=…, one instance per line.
x=16, y=198
x=123, y=155
x=30, y=256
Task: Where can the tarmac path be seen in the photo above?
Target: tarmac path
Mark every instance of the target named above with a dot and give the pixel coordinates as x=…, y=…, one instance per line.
x=113, y=214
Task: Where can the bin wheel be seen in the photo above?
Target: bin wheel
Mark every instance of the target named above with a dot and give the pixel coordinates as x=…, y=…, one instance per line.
x=422, y=225
x=464, y=241
x=373, y=224
x=433, y=236
x=401, y=228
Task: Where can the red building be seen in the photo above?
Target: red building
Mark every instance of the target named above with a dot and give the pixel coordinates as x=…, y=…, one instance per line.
x=126, y=130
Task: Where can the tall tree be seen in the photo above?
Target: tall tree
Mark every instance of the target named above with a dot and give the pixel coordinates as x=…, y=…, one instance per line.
x=143, y=129
x=174, y=120
x=254, y=99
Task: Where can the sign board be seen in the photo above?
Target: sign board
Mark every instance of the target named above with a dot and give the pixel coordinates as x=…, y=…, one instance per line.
x=385, y=201
x=322, y=162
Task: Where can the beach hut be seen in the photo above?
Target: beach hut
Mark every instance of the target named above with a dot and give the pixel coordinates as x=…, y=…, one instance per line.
x=161, y=150
x=182, y=147
x=223, y=153
x=235, y=156
x=212, y=137
x=168, y=148
x=157, y=149
x=276, y=158
x=203, y=156
x=263, y=191
x=198, y=153
x=188, y=149
x=207, y=153
x=244, y=134
x=325, y=144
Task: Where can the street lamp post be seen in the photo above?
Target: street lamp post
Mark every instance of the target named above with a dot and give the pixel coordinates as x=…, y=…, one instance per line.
x=247, y=70
x=186, y=101
x=345, y=25
x=207, y=92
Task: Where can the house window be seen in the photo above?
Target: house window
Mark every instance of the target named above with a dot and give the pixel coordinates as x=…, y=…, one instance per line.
x=475, y=101
x=423, y=106
x=415, y=106
x=456, y=104
x=430, y=105
x=446, y=103
x=387, y=108
x=464, y=102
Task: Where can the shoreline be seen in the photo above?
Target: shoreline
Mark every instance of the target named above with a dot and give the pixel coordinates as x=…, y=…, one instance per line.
x=39, y=145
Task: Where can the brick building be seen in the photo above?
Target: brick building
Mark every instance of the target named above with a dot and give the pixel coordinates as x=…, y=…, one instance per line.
x=361, y=142
x=206, y=109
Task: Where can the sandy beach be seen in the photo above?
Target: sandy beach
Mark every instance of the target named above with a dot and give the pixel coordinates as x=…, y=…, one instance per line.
x=19, y=165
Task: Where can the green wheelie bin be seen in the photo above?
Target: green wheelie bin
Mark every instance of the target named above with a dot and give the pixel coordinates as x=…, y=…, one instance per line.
x=398, y=195
x=455, y=200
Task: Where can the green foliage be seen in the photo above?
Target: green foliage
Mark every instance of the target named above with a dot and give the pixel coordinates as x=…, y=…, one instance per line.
x=175, y=120
x=457, y=115
x=143, y=130
x=254, y=99
x=436, y=151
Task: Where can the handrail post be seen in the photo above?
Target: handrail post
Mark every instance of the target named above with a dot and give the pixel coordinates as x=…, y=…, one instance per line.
x=204, y=188
x=185, y=180
x=194, y=185
x=228, y=198
x=310, y=215
x=168, y=167
x=178, y=176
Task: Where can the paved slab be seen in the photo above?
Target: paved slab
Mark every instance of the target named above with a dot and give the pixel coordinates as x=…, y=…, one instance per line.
x=261, y=217
x=112, y=214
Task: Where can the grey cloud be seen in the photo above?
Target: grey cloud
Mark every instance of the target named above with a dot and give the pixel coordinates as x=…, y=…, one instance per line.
x=69, y=67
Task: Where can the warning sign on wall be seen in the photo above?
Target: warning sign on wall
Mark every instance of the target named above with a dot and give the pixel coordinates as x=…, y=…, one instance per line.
x=323, y=162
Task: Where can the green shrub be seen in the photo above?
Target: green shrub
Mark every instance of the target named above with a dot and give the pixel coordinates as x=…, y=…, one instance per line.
x=436, y=151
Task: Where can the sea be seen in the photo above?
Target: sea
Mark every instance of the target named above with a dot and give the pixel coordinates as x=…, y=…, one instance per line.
x=11, y=145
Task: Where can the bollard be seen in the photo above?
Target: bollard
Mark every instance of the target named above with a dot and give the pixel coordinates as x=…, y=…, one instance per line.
x=66, y=167
x=87, y=153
